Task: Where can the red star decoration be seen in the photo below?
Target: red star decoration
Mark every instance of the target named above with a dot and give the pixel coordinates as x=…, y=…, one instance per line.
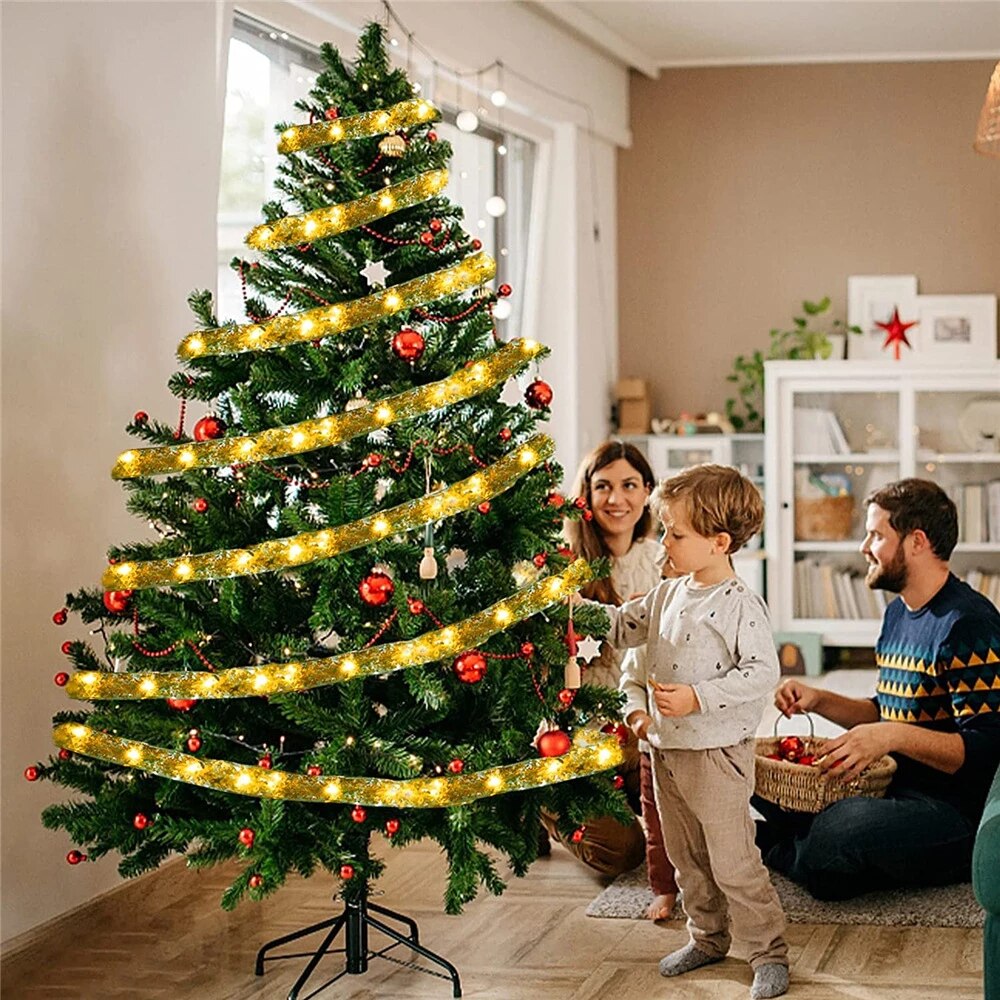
x=895, y=331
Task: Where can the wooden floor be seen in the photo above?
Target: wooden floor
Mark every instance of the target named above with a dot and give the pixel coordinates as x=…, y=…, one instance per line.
x=166, y=937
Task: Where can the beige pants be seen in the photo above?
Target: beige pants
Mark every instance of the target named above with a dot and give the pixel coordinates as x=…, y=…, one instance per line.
x=703, y=797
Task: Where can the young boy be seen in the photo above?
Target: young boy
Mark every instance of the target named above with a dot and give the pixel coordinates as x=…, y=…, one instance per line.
x=697, y=697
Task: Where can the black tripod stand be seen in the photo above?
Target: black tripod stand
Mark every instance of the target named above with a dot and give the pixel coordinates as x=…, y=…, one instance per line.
x=356, y=918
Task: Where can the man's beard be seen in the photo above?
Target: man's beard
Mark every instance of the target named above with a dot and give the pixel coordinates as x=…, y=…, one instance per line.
x=892, y=576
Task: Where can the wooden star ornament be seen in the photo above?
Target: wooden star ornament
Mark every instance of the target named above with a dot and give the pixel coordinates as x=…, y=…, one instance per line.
x=895, y=331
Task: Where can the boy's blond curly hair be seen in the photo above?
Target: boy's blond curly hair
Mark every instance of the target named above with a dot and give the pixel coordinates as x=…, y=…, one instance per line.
x=718, y=498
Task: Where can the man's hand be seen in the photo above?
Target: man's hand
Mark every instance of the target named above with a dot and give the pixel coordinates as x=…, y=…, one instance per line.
x=674, y=699
x=847, y=755
x=793, y=698
x=639, y=722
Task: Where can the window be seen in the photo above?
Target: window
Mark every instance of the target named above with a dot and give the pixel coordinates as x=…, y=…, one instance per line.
x=268, y=72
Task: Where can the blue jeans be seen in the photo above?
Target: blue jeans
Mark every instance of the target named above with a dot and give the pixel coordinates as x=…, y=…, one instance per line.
x=861, y=844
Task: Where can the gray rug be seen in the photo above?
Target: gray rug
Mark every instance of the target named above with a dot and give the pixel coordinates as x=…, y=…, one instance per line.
x=944, y=906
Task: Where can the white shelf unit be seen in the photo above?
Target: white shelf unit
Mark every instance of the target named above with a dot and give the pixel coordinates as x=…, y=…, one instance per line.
x=891, y=422
x=671, y=453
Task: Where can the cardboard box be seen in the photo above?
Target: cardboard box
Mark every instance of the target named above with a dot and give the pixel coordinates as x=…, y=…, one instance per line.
x=634, y=412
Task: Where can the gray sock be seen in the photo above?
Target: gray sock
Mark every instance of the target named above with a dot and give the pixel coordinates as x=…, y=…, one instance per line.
x=769, y=980
x=685, y=959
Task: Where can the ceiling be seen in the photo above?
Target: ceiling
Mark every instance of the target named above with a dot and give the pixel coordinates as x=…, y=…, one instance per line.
x=648, y=36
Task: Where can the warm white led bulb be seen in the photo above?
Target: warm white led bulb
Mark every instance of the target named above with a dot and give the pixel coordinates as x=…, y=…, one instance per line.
x=467, y=121
x=496, y=206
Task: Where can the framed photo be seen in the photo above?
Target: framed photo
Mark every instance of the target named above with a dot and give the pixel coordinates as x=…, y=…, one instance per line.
x=957, y=328
x=871, y=299
x=799, y=653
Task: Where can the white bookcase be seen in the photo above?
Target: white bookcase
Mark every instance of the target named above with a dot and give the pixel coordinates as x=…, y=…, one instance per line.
x=861, y=425
x=670, y=453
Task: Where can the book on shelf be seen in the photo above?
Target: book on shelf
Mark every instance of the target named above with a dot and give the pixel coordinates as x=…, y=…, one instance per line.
x=818, y=432
x=824, y=591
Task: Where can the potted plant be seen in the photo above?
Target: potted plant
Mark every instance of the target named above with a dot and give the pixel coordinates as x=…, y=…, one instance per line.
x=812, y=336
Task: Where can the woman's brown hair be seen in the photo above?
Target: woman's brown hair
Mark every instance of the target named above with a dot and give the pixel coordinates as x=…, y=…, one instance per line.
x=585, y=537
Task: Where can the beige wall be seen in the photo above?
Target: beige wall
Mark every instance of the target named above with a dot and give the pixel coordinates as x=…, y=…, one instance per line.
x=748, y=189
x=110, y=142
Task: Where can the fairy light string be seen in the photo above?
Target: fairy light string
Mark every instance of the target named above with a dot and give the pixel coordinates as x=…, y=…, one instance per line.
x=310, y=435
x=284, y=678
x=591, y=753
x=325, y=321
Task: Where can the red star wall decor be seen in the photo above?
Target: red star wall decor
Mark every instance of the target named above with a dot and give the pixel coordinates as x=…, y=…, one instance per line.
x=895, y=332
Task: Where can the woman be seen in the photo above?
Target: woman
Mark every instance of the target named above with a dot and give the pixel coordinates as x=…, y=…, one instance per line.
x=616, y=481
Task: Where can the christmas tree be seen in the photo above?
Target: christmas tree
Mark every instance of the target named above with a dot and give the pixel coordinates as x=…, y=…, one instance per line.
x=354, y=619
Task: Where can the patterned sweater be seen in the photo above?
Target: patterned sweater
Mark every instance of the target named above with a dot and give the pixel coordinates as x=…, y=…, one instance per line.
x=939, y=667
x=717, y=639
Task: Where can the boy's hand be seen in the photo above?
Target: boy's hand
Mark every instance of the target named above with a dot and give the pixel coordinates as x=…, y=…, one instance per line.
x=639, y=722
x=675, y=699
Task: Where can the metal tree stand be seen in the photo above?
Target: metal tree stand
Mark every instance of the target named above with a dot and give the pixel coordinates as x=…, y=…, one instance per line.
x=356, y=918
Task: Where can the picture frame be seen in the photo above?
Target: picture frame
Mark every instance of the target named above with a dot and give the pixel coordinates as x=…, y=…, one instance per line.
x=799, y=653
x=957, y=328
x=871, y=299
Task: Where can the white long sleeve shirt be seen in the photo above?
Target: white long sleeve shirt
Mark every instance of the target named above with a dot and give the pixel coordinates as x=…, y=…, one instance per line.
x=716, y=639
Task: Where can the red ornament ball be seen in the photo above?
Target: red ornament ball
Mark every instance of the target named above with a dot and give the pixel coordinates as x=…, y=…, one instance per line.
x=31, y=773
x=436, y=225
x=538, y=395
x=566, y=696
x=255, y=881
x=359, y=814
x=314, y=770
x=416, y=606
x=61, y=679
x=140, y=417
x=427, y=237
x=209, y=428
x=65, y=754
x=75, y=857
x=194, y=743
x=580, y=503
x=456, y=766
x=376, y=589
x=141, y=821
x=505, y=434
x=265, y=762
x=554, y=743
x=60, y=617
x=373, y=461
x=67, y=648
x=588, y=515
x=618, y=729
x=470, y=667
x=618, y=782
x=200, y=504
x=391, y=827
x=182, y=704
x=477, y=244
x=577, y=834
x=807, y=760
x=504, y=290
x=527, y=649
x=432, y=136
x=116, y=601
x=540, y=559
x=246, y=836
x=484, y=507
x=408, y=344
x=346, y=872
x=331, y=113
x=791, y=748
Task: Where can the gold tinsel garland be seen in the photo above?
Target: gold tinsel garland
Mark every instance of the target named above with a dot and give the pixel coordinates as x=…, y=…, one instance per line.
x=297, y=550
x=366, y=125
x=592, y=752
x=282, y=678
x=334, y=219
x=324, y=321
x=308, y=435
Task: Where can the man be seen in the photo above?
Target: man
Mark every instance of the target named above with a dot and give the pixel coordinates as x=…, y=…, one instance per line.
x=937, y=711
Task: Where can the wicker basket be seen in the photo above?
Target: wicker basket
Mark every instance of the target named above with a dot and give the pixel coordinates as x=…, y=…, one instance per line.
x=823, y=519
x=805, y=788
